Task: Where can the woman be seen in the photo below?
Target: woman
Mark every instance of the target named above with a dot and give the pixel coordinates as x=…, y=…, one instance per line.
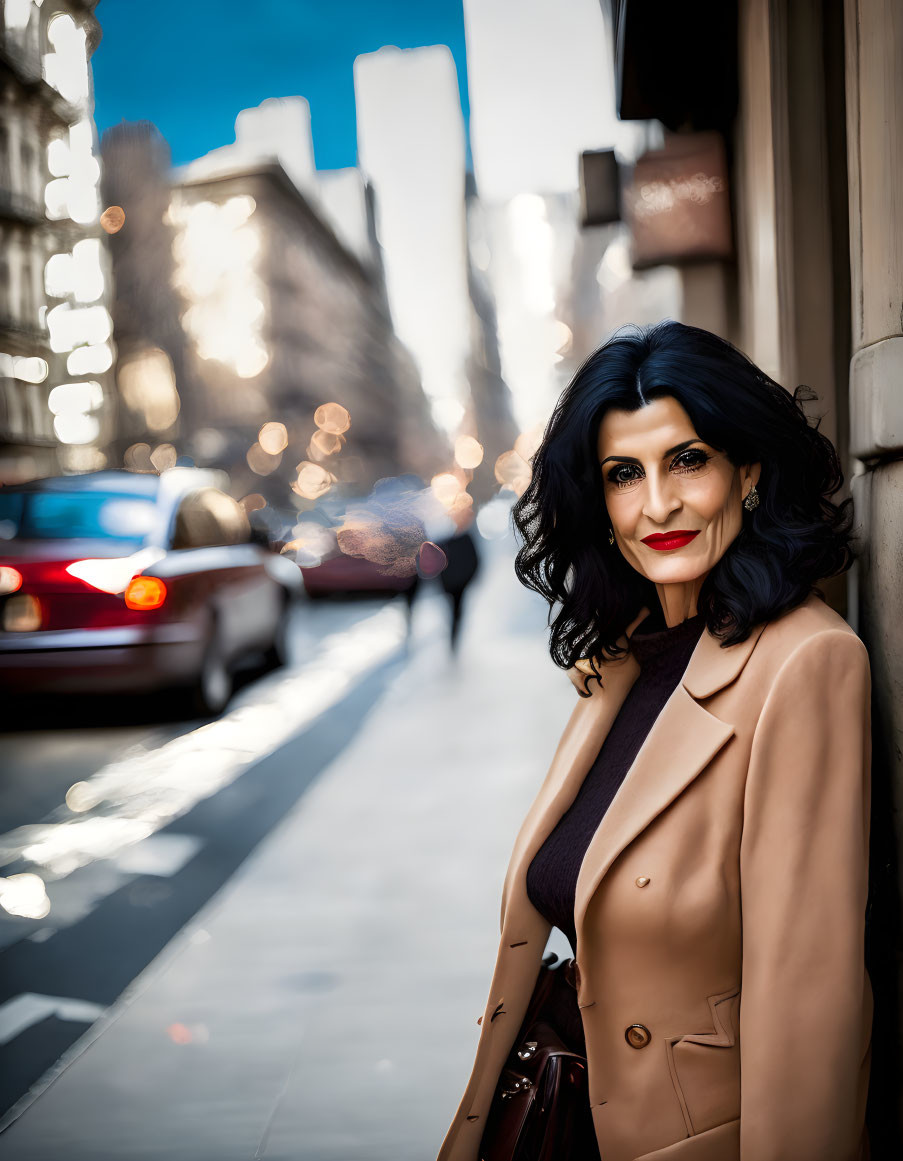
x=702, y=834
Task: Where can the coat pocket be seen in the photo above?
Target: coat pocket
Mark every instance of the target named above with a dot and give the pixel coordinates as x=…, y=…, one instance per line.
x=705, y=1067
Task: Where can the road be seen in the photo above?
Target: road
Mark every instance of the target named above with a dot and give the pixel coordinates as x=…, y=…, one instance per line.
x=165, y=811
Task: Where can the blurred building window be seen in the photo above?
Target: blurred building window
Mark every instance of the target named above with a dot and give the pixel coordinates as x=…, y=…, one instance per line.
x=4, y=289
x=11, y=411
x=208, y=518
x=43, y=422
x=5, y=185
x=66, y=67
x=27, y=304
x=26, y=154
x=17, y=14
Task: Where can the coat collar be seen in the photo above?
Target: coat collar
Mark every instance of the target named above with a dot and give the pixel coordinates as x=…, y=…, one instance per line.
x=682, y=742
x=710, y=668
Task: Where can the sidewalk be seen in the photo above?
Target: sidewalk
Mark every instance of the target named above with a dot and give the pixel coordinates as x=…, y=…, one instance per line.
x=323, y=1006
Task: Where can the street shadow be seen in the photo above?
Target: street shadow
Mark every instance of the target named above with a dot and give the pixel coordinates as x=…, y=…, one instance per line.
x=75, y=711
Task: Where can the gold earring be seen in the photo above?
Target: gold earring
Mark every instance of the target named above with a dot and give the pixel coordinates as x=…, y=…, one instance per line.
x=611, y=536
x=752, y=499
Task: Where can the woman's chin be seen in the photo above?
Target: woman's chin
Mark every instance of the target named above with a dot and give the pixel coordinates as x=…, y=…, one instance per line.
x=672, y=573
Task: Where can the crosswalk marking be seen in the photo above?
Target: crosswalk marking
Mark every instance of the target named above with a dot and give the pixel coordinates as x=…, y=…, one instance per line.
x=29, y=1008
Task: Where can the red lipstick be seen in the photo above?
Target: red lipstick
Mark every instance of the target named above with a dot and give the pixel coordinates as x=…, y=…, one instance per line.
x=661, y=541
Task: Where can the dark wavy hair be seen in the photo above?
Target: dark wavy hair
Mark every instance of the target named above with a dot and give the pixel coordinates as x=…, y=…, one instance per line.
x=795, y=537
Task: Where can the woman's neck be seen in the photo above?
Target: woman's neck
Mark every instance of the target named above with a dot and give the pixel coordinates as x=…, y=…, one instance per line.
x=678, y=600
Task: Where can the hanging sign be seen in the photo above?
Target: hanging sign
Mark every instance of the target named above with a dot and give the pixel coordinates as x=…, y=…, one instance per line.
x=677, y=202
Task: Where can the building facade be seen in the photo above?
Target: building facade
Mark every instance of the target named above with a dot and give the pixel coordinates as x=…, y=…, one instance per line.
x=55, y=326
x=155, y=395
x=281, y=320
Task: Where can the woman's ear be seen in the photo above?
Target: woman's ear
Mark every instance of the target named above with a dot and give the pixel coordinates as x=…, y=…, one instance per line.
x=749, y=477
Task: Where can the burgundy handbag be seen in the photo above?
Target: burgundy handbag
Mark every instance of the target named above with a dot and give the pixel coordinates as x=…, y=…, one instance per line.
x=540, y=1111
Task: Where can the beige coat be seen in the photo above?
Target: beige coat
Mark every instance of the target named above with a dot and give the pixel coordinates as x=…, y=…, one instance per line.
x=747, y=812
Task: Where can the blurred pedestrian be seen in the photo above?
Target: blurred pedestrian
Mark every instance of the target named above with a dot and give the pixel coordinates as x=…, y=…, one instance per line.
x=463, y=565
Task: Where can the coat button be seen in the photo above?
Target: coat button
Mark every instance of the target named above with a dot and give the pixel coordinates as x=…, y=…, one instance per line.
x=643, y=881
x=637, y=1035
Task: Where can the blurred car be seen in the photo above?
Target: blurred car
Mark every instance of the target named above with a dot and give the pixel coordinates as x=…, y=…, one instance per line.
x=114, y=581
x=368, y=546
x=342, y=575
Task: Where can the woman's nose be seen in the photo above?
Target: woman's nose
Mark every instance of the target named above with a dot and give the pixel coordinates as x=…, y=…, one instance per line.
x=661, y=499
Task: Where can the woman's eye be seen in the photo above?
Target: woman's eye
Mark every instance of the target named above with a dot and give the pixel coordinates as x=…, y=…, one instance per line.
x=692, y=460
x=616, y=475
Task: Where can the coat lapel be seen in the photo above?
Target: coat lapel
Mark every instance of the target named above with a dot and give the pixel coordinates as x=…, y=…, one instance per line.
x=681, y=743
x=581, y=741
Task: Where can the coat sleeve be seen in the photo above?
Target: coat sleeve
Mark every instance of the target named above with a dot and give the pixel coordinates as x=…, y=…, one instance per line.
x=805, y=1013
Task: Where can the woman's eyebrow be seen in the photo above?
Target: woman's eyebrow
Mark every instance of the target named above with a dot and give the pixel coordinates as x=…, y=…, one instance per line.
x=670, y=452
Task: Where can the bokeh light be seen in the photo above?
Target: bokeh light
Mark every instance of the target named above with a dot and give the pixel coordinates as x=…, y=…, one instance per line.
x=332, y=418
x=261, y=462
x=313, y=481
x=512, y=472
x=527, y=443
x=216, y=250
x=81, y=796
x=137, y=458
x=112, y=219
x=33, y=369
x=324, y=444
x=24, y=895
x=446, y=487
x=273, y=438
x=147, y=383
x=163, y=456
x=431, y=560
x=179, y=1033
x=468, y=452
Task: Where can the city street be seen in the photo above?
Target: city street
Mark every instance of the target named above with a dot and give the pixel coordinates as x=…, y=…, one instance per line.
x=290, y=962
x=321, y=324
x=112, y=913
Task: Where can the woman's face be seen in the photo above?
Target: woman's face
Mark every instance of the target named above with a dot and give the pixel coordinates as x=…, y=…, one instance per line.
x=660, y=477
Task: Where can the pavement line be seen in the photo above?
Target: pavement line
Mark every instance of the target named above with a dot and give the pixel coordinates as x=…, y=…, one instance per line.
x=28, y=1008
x=163, y=855
x=135, y=796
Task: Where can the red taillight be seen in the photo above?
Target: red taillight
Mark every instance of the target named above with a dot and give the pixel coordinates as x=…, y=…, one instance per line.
x=10, y=579
x=144, y=593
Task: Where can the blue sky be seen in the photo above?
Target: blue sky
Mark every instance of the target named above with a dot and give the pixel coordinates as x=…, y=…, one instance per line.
x=190, y=65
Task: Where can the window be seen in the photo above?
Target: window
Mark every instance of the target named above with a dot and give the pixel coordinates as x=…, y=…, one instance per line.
x=75, y=515
x=5, y=179
x=4, y=289
x=26, y=154
x=27, y=304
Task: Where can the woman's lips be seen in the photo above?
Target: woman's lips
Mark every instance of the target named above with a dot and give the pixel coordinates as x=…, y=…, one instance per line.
x=663, y=541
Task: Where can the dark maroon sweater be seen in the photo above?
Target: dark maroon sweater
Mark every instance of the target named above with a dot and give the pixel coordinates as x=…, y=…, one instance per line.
x=663, y=655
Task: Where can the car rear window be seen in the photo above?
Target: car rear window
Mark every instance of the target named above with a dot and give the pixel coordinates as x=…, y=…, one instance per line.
x=75, y=516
